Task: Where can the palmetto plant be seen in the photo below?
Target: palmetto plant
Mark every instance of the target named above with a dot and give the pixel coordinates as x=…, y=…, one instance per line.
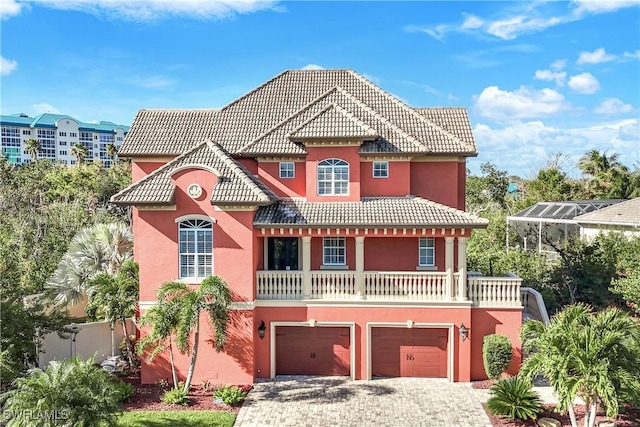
x=33, y=147
x=590, y=355
x=514, y=398
x=69, y=393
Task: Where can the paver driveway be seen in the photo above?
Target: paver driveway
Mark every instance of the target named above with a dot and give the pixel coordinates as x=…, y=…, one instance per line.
x=338, y=401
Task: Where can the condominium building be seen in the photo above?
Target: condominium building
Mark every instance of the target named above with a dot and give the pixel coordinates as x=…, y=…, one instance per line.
x=58, y=134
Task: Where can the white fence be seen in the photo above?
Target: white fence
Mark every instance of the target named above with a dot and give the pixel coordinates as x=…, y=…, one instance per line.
x=91, y=338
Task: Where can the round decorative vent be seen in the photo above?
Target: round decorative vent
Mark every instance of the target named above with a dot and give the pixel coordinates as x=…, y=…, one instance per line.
x=194, y=191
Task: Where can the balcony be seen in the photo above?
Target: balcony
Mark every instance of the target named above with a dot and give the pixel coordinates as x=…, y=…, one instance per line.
x=420, y=287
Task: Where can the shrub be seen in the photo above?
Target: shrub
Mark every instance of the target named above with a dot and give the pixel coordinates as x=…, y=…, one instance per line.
x=73, y=392
x=514, y=398
x=125, y=390
x=175, y=396
x=496, y=355
x=230, y=395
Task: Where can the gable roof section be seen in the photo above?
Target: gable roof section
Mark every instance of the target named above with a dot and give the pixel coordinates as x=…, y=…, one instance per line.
x=452, y=119
x=333, y=122
x=623, y=213
x=391, y=212
x=249, y=118
x=235, y=184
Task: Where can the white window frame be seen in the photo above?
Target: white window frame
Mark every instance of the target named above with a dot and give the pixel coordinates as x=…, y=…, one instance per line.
x=326, y=174
x=334, y=248
x=426, y=250
x=198, y=228
x=287, y=170
x=382, y=167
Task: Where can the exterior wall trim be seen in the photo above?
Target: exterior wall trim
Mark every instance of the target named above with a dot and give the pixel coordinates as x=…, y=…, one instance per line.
x=411, y=324
x=312, y=323
x=194, y=166
x=156, y=207
x=195, y=216
x=366, y=303
x=237, y=305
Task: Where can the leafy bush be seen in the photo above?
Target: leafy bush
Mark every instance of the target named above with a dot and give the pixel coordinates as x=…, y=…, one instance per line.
x=230, y=395
x=175, y=396
x=514, y=398
x=73, y=392
x=125, y=390
x=496, y=354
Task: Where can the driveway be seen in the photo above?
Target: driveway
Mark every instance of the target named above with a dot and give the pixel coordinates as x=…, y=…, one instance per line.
x=338, y=401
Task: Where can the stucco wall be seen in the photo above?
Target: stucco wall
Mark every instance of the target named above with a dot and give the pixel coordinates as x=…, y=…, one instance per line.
x=438, y=181
x=396, y=185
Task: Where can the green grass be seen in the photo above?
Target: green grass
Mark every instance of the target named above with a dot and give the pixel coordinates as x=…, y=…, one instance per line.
x=176, y=418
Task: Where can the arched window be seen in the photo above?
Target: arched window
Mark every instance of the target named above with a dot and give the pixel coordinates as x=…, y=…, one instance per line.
x=195, y=242
x=333, y=177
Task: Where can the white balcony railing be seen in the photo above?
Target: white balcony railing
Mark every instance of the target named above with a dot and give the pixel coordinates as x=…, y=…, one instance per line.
x=393, y=286
x=494, y=291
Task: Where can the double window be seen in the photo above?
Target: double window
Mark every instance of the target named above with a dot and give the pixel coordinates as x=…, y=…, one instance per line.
x=333, y=177
x=287, y=170
x=426, y=252
x=334, y=251
x=195, y=242
x=380, y=169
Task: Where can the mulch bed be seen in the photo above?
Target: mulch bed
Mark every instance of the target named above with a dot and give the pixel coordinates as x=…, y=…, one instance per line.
x=146, y=397
x=630, y=417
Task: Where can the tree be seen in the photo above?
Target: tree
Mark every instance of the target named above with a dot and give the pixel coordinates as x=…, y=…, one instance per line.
x=626, y=282
x=487, y=190
x=550, y=185
x=213, y=297
x=33, y=147
x=80, y=152
x=71, y=393
x=114, y=298
x=608, y=178
x=112, y=151
x=590, y=355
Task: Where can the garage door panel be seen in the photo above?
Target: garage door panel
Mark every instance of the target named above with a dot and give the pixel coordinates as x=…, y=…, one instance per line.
x=312, y=351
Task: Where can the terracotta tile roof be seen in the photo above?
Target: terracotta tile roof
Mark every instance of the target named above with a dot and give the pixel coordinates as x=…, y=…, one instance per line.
x=392, y=212
x=236, y=185
x=452, y=119
x=261, y=121
x=333, y=121
x=623, y=213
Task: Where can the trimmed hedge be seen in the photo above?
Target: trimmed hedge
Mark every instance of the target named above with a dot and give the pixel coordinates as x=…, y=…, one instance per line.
x=496, y=354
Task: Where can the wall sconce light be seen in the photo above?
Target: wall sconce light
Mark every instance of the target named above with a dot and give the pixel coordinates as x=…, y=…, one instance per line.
x=262, y=329
x=464, y=332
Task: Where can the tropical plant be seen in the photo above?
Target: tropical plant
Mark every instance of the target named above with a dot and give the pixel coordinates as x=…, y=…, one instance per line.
x=514, y=398
x=590, y=355
x=496, y=354
x=112, y=151
x=213, y=297
x=114, y=297
x=230, y=395
x=69, y=393
x=33, y=147
x=175, y=396
x=125, y=390
x=80, y=152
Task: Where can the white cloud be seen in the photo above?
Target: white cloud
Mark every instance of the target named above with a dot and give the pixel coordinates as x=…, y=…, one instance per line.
x=558, y=65
x=312, y=67
x=510, y=28
x=523, y=103
x=558, y=77
x=598, y=56
x=612, y=106
x=584, y=83
x=635, y=54
x=7, y=66
x=44, y=108
x=472, y=22
x=9, y=8
x=155, y=10
x=602, y=6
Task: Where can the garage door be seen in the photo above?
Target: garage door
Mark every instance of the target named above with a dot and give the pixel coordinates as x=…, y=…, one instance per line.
x=312, y=351
x=402, y=352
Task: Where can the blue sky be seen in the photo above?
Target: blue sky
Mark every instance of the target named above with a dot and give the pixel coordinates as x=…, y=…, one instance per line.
x=538, y=78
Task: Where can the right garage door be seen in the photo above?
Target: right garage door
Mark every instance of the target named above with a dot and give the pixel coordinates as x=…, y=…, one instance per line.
x=403, y=352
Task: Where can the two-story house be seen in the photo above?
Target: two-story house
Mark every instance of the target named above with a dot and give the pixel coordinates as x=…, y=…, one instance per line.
x=335, y=212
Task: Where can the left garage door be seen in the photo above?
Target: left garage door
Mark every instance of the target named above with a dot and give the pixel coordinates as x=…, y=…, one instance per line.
x=303, y=350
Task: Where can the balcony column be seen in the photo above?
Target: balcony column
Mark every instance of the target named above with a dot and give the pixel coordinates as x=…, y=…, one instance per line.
x=462, y=268
x=448, y=262
x=360, y=291
x=306, y=267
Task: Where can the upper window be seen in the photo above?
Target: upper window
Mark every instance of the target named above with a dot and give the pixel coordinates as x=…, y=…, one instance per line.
x=427, y=252
x=380, y=169
x=334, y=251
x=195, y=242
x=287, y=170
x=333, y=177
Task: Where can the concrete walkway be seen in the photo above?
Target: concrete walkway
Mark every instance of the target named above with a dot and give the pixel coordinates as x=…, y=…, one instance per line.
x=338, y=402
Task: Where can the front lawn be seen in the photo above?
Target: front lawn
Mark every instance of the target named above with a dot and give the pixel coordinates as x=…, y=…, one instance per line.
x=176, y=418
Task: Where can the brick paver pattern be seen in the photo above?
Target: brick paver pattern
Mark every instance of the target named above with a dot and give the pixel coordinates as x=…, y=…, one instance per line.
x=340, y=402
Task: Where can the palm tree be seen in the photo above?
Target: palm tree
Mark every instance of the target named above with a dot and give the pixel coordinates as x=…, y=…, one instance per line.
x=114, y=297
x=33, y=147
x=80, y=151
x=213, y=297
x=608, y=176
x=163, y=320
x=112, y=151
x=593, y=356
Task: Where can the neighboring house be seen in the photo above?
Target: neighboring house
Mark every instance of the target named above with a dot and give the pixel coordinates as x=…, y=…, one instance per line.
x=335, y=213
x=622, y=217
x=546, y=224
x=58, y=134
